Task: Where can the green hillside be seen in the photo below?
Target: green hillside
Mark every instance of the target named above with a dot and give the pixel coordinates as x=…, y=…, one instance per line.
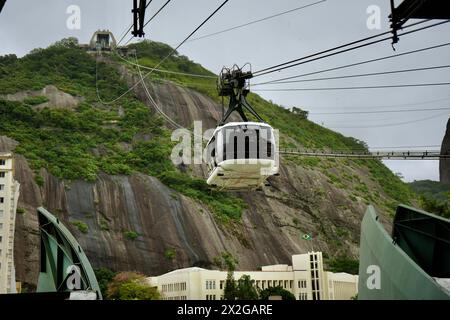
x=80, y=143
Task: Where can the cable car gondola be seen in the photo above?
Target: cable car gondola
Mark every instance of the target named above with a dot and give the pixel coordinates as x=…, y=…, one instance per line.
x=240, y=155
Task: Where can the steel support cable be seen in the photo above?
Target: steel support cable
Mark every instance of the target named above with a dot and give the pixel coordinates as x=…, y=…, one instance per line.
x=255, y=21
x=378, y=107
x=170, y=54
x=379, y=111
x=165, y=71
x=355, y=64
x=366, y=74
x=333, y=49
x=358, y=87
x=344, y=50
x=393, y=124
x=158, y=108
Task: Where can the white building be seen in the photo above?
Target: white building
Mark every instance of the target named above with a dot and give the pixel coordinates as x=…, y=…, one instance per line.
x=9, y=195
x=305, y=279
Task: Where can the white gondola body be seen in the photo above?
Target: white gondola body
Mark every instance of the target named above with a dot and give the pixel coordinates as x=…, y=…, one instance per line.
x=241, y=155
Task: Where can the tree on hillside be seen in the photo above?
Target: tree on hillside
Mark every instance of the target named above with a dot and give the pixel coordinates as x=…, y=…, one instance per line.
x=344, y=264
x=70, y=42
x=245, y=289
x=131, y=286
x=226, y=260
x=435, y=206
x=276, y=291
x=229, y=292
x=104, y=276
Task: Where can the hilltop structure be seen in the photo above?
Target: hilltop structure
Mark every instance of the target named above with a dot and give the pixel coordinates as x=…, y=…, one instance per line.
x=305, y=279
x=9, y=195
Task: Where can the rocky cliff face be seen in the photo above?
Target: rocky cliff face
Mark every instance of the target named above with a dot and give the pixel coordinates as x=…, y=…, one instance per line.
x=444, y=164
x=302, y=201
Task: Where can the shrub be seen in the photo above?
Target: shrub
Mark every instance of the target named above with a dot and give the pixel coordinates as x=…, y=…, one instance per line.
x=276, y=291
x=170, y=254
x=131, y=286
x=39, y=180
x=33, y=101
x=20, y=210
x=131, y=235
x=104, y=276
x=344, y=264
x=104, y=225
x=82, y=227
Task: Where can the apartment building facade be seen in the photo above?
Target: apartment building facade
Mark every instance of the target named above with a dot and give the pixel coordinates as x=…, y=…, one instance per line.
x=305, y=279
x=9, y=195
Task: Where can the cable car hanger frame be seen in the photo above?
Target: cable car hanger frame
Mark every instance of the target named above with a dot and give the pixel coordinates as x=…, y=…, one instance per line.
x=234, y=83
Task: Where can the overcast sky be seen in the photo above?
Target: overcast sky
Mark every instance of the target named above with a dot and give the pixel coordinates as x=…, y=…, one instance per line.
x=25, y=25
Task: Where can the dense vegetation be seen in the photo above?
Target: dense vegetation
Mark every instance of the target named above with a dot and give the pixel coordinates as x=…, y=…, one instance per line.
x=80, y=143
x=431, y=189
x=434, y=196
x=95, y=138
x=130, y=286
x=344, y=264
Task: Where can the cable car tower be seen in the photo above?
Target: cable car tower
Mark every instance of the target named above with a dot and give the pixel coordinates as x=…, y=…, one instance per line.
x=240, y=155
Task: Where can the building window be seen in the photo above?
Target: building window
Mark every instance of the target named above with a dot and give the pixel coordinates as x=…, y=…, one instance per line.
x=2, y=200
x=2, y=174
x=1, y=213
x=2, y=187
x=303, y=296
x=1, y=226
x=2, y=162
x=221, y=284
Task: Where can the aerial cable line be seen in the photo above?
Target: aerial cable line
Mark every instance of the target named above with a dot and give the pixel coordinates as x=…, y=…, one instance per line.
x=378, y=111
x=365, y=74
x=256, y=21
x=392, y=124
x=380, y=107
x=333, y=49
x=152, y=101
x=399, y=147
x=170, y=54
x=301, y=61
x=166, y=71
x=148, y=21
x=355, y=64
x=158, y=108
x=359, y=87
